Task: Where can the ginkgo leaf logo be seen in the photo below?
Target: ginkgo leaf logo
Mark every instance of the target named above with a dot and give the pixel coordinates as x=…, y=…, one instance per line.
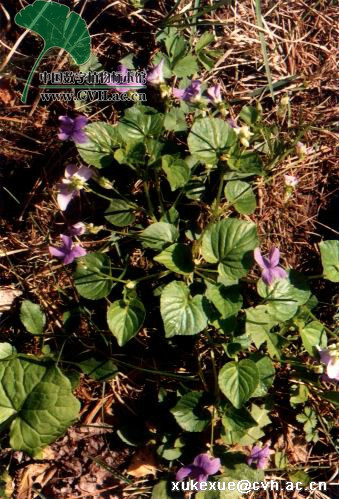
x=59, y=28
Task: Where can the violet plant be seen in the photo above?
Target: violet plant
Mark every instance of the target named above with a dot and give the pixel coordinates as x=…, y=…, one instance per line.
x=185, y=154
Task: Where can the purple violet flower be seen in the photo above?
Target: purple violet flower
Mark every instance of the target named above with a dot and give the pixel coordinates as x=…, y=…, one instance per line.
x=270, y=265
x=190, y=93
x=330, y=357
x=77, y=229
x=259, y=456
x=73, y=129
x=200, y=469
x=214, y=94
x=156, y=75
x=74, y=181
x=68, y=252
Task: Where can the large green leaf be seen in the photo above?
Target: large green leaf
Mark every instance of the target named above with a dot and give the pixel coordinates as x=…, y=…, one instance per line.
x=159, y=235
x=59, y=28
x=241, y=195
x=98, y=151
x=329, y=251
x=189, y=412
x=238, y=381
x=36, y=401
x=230, y=243
x=182, y=314
x=284, y=296
x=226, y=299
x=32, y=317
x=313, y=335
x=209, y=138
x=140, y=123
x=125, y=319
x=177, y=257
x=177, y=171
x=120, y=213
x=92, y=276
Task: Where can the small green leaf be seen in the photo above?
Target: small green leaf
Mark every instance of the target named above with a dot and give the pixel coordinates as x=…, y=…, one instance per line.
x=32, y=317
x=125, y=319
x=241, y=195
x=36, y=402
x=175, y=120
x=182, y=314
x=238, y=381
x=187, y=66
x=98, y=151
x=159, y=235
x=249, y=114
x=300, y=476
x=120, y=213
x=209, y=138
x=92, y=276
x=244, y=163
x=329, y=251
x=299, y=395
x=177, y=171
x=177, y=258
x=189, y=412
x=99, y=370
x=313, y=335
x=230, y=243
x=6, y=350
x=204, y=40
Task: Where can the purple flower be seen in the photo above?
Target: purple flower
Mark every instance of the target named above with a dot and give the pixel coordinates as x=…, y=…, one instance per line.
x=330, y=357
x=270, y=265
x=156, y=75
x=259, y=456
x=68, y=252
x=73, y=129
x=214, y=94
x=77, y=229
x=190, y=93
x=200, y=469
x=75, y=179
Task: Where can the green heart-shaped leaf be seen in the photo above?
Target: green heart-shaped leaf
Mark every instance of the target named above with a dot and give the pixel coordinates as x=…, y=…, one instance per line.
x=125, y=319
x=238, y=381
x=182, y=314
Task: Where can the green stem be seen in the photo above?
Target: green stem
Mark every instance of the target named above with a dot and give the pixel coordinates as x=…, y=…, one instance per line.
x=28, y=82
x=149, y=202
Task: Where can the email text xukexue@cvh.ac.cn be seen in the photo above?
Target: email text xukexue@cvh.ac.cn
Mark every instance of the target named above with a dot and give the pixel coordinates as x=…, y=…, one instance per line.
x=245, y=486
